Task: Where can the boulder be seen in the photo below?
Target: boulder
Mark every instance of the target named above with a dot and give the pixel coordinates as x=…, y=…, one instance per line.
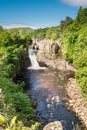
x=57, y=125
x=1, y=128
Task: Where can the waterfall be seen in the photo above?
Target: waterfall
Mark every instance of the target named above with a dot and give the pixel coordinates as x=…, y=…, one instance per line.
x=32, y=55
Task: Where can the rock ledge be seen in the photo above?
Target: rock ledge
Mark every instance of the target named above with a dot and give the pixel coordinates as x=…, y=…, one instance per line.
x=54, y=126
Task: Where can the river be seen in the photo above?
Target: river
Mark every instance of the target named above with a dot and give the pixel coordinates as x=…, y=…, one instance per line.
x=48, y=89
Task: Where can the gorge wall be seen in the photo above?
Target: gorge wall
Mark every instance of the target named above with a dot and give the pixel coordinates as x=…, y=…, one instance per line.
x=50, y=54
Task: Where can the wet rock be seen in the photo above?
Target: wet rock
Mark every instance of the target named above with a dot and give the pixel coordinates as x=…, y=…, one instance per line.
x=48, y=105
x=56, y=98
x=51, y=115
x=54, y=126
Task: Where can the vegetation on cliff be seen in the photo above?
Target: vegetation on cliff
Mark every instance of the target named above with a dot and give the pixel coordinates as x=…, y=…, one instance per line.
x=75, y=47
x=16, y=109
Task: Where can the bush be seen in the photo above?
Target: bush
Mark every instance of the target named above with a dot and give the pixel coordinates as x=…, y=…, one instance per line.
x=81, y=76
x=23, y=105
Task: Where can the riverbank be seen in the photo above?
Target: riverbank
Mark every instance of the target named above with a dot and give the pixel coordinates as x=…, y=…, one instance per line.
x=76, y=101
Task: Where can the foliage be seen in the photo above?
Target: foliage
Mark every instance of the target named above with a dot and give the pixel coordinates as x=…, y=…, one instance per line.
x=49, y=33
x=52, y=33
x=25, y=38
x=2, y=120
x=5, y=39
x=18, y=125
x=65, y=23
x=23, y=105
x=13, y=102
x=38, y=33
x=74, y=40
x=81, y=76
x=82, y=16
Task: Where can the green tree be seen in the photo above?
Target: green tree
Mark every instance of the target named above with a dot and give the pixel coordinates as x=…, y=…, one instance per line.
x=64, y=23
x=82, y=16
x=5, y=39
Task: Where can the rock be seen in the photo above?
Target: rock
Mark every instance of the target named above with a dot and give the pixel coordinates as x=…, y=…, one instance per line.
x=51, y=114
x=76, y=101
x=48, y=105
x=1, y=128
x=48, y=54
x=57, y=125
x=56, y=98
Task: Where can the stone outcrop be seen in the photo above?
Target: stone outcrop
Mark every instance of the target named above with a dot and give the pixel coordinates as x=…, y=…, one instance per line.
x=54, y=126
x=49, y=47
x=76, y=101
x=49, y=54
x=1, y=128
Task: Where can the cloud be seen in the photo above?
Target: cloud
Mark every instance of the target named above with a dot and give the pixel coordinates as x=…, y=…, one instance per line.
x=76, y=2
x=9, y=26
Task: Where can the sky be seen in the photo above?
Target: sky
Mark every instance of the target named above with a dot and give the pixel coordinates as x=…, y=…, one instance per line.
x=37, y=13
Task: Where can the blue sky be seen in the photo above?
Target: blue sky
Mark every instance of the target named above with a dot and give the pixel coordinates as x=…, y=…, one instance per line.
x=37, y=13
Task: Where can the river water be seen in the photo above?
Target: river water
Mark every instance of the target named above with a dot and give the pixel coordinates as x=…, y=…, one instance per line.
x=48, y=89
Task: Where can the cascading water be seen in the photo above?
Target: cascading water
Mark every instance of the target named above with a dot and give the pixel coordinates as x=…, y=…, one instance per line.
x=32, y=55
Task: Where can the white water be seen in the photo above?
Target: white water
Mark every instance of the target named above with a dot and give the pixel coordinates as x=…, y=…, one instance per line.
x=34, y=64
